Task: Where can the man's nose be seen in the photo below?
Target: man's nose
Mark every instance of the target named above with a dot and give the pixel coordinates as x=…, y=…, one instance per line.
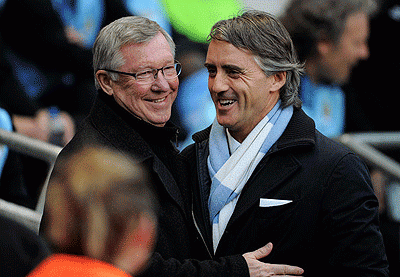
x=160, y=81
x=218, y=83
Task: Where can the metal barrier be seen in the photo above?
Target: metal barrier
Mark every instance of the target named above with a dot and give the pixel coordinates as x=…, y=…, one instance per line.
x=38, y=149
x=365, y=144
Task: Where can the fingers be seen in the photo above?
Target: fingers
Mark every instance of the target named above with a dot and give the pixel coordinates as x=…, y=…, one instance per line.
x=257, y=268
x=285, y=270
x=260, y=252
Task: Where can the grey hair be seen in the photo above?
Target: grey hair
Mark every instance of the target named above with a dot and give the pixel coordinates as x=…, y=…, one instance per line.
x=311, y=21
x=267, y=39
x=121, y=32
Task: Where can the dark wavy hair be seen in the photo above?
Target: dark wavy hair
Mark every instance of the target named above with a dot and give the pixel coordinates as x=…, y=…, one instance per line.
x=268, y=40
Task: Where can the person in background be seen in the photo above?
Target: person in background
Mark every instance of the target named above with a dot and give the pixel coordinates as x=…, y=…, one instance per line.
x=21, y=248
x=101, y=216
x=331, y=37
x=263, y=173
x=366, y=89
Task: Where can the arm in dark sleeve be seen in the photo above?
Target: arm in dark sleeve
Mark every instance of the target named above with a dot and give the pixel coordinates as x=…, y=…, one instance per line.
x=354, y=242
x=230, y=266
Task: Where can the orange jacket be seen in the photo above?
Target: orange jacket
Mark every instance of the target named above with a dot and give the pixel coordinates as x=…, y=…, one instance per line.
x=61, y=265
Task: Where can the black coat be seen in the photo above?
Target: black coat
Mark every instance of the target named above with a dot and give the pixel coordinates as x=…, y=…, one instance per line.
x=21, y=249
x=330, y=228
x=110, y=125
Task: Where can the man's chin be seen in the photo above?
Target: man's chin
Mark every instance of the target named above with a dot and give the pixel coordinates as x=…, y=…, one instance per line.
x=159, y=121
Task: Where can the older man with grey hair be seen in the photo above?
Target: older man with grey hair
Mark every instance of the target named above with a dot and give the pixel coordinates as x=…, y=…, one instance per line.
x=263, y=174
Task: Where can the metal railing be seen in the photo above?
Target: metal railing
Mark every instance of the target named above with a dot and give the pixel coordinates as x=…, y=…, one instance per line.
x=366, y=145
x=38, y=149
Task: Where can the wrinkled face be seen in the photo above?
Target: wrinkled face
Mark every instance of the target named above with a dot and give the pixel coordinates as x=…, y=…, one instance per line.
x=241, y=92
x=338, y=60
x=150, y=102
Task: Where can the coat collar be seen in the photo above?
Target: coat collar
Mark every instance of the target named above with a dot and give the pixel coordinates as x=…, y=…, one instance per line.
x=299, y=132
x=117, y=131
x=123, y=136
x=121, y=127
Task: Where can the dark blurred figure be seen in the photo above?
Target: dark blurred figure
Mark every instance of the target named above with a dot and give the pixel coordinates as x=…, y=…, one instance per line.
x=372, y=85
x=21, y=249
x=371, y=93
x=50, y=63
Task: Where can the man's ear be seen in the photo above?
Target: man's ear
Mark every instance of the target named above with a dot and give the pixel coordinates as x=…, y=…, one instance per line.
x=278, y=81
x=137, y=243
x=324, y=47
x=105, y=81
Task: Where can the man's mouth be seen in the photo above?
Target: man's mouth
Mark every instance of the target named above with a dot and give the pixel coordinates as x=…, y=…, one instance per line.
x=157, y=100
x=226, y=102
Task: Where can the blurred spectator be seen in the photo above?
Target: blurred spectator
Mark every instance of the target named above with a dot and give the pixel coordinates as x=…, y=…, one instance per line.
x=331, y=38
x=372, y=85
x=21, y=249
x=55, y=70
x=100, y=206
x=359, y=106
x=12, y=185
x=23, y=176
x=5, y=124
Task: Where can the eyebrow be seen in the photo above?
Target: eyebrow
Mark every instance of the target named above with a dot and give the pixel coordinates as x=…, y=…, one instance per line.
x=226, y=67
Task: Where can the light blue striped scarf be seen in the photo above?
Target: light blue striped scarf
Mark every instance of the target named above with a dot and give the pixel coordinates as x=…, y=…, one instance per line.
x=229, y=174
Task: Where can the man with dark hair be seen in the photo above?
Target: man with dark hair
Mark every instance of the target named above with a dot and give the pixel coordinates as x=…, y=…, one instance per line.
x=263, y=173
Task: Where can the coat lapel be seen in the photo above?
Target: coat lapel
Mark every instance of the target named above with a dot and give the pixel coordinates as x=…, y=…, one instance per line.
x=278, y=164
x=270, y=173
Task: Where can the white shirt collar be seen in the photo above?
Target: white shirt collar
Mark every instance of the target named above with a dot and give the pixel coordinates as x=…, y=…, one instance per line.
x=233, y=144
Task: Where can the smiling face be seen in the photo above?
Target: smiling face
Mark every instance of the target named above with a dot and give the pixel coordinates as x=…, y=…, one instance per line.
x=150, y=102
x=241, y=92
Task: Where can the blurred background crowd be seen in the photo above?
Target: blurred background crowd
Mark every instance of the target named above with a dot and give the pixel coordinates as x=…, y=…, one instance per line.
x=47, y=87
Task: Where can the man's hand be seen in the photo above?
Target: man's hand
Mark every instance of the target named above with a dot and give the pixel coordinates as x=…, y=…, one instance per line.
x=260, y=269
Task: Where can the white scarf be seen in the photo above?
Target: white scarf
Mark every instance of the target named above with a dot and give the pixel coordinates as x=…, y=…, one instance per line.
x=229, y=174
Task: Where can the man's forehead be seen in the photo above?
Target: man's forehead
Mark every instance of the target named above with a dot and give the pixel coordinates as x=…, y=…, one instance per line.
x=227, y=55
x=143, y=55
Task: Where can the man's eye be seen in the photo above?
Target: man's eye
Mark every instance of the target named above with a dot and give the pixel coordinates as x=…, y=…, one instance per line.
x=212, y=72
x=144, y=74
x=234, y=74
x=169, y=70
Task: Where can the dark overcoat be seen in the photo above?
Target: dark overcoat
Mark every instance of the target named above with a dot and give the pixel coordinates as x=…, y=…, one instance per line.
x=331, y=226
x=106, y=126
